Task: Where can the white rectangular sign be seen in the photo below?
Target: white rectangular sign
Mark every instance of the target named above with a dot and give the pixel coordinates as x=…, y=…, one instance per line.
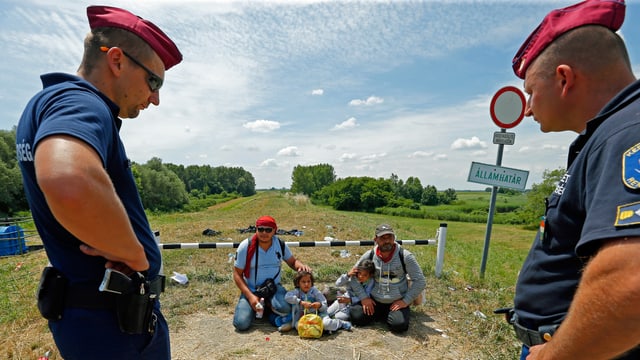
x=504, y=138
x=498, y=176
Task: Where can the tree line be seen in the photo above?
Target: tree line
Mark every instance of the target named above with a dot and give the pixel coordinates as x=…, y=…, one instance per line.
x=162, y=186
x=364, y=193
x=169, y=187
x=319, y=182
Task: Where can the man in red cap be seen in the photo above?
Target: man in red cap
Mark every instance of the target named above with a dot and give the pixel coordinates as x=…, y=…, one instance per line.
x=83, y=197
x=577, y=295
x=258, y=261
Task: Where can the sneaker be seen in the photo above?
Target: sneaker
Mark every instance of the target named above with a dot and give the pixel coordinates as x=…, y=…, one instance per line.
x=285, y=327
x=346, y=325
x=280, y=320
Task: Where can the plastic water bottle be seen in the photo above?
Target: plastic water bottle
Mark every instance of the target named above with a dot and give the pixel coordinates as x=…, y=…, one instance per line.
x=260, y=309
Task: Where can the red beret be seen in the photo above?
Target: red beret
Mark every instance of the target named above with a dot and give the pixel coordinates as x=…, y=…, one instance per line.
x=267, y=221
x=107, y=16
x=608, y=13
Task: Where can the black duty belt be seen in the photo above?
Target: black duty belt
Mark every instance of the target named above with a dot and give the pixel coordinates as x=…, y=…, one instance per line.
x=532, y=337
x=82, y=296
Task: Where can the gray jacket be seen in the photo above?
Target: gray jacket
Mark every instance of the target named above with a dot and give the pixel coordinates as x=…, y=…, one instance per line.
x=391, y=280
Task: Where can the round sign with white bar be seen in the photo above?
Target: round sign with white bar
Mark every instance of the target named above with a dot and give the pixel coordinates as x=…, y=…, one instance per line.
x=507, y=107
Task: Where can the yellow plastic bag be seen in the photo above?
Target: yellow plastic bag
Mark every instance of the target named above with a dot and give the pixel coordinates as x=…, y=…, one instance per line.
x=310, y=325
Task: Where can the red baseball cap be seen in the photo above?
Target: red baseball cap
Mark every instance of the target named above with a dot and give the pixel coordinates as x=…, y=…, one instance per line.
x=608, y=13
x=107, y=16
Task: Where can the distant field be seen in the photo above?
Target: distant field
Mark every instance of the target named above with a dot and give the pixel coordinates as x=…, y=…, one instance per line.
x=469, y=207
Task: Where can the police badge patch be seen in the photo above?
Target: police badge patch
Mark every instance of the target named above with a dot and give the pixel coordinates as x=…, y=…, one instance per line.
x=631, y=167
x=628, y=214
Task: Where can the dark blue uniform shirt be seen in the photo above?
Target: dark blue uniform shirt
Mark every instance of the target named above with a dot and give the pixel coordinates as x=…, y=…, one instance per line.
x=69, y=105
x=597, y=199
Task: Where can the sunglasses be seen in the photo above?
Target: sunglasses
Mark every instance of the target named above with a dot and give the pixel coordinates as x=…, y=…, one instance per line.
x=268, y=230
x=154, y=81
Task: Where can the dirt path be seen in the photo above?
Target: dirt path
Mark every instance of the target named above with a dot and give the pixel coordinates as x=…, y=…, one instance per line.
x=207, y=336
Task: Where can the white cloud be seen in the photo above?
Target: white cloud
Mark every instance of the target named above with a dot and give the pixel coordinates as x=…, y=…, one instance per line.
x=473, y=143
x=269, y=163
x=371, y=100
x=347, y=157
x=420, y=154
x=373, y=157
x=551, y=146
x=248, y=60
x=364, y=167
x=262, y=126
x=289, y=151
x=350, y=123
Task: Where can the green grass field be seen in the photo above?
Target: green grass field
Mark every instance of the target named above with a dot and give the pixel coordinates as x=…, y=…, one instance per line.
x=470, y=206
x=459, y=295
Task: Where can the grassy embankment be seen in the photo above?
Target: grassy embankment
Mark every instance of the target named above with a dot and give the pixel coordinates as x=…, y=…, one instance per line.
x=458, y=295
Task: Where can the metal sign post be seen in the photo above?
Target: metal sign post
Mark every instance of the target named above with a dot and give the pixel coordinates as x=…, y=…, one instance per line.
x=507, y=110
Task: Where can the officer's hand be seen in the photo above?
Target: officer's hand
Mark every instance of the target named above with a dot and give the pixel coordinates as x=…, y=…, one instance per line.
x=140, y=265
x=535, y=352
x=122, y=267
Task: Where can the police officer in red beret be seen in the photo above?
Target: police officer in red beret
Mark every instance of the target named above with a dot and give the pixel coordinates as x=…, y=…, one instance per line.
x=83, y=196
x=578, y=293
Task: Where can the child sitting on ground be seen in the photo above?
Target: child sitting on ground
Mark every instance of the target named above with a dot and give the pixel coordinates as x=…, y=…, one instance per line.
x=361, y=275
x=307, y=296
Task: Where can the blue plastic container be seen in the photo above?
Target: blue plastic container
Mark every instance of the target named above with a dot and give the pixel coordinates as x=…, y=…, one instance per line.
x=12, y=240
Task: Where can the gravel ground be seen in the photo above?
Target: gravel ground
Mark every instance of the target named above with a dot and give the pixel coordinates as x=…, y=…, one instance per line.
x=207, y=336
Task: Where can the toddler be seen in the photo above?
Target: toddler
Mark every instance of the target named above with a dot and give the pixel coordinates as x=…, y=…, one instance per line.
x=361, y=275
x=307, y=296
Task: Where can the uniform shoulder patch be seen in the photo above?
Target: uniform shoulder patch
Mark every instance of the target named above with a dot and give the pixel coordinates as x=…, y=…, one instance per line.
x=631, y=167
x=628, y=214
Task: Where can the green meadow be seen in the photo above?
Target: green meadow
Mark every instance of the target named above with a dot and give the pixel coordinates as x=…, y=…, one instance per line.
x=460, y=295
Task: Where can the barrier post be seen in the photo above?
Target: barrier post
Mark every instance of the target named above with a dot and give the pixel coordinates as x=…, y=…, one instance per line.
x=442, y=236
x=156, y=235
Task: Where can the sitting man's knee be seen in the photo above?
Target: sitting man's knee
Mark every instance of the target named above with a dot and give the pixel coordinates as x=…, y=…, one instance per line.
x=241, y=325
x=357, y=315
x=397, y=321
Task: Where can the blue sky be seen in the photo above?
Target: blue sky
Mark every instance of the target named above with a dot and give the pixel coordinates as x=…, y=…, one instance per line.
x=372, y=88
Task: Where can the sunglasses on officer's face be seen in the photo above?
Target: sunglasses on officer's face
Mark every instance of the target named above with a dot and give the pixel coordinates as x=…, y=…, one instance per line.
x=268, y=230
x=154, y=81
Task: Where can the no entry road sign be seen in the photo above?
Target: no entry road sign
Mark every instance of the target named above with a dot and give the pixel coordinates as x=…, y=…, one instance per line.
x=507, y=107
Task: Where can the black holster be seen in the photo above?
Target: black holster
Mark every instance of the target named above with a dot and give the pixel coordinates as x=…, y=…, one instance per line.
x=135, y=308
x=51, y=293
